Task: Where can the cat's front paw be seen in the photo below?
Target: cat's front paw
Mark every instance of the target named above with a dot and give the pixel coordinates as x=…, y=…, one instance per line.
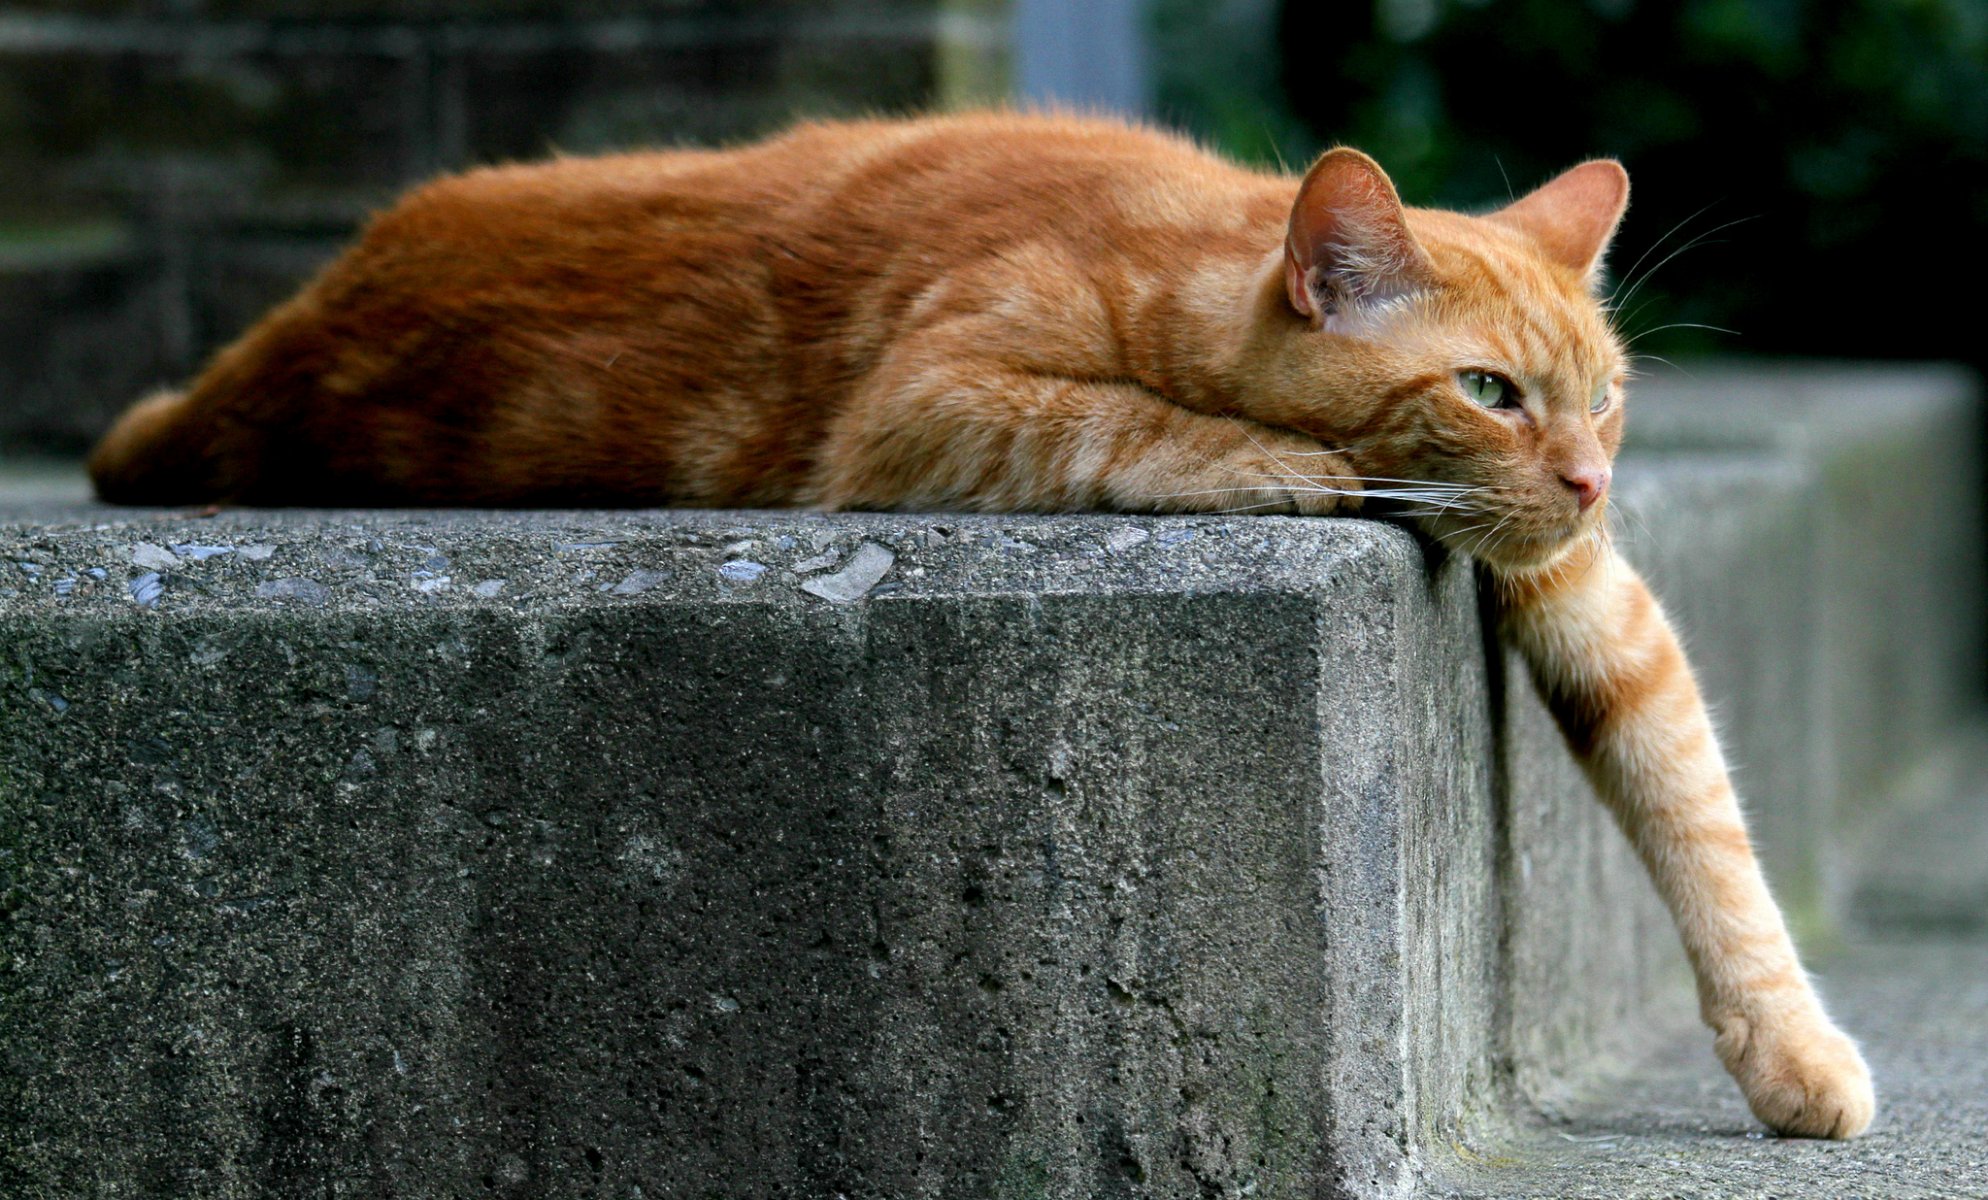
x=1276, y=472
x=1801, y=1076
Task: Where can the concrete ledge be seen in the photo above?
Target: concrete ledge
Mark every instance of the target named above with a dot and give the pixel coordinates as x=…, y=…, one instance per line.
x=1167, y=854
x=1064, y=857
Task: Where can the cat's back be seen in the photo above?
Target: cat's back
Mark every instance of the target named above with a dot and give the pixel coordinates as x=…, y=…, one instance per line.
x=918, y=177
x=963, y=183
x=679, y=325
x=780, y=272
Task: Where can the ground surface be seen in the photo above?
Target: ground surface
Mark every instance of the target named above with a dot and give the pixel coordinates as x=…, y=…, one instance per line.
x=1679, y=1128
x=1912, y=987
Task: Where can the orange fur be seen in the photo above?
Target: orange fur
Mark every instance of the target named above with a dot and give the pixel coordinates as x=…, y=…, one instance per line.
x=1614, y=675
x=1008, y=312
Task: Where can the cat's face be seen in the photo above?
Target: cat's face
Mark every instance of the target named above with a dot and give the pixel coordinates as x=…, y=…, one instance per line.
x=1466, y=364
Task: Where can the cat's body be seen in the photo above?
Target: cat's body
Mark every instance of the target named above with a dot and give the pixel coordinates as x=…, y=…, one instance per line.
x=1004, y=312
x=685, y=328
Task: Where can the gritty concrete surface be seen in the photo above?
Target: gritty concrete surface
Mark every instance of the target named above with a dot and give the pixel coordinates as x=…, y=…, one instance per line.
x=1439, y=890
x=1674, y=1127
x=442, y=854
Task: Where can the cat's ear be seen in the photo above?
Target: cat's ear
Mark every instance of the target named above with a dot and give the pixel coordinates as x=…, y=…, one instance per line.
x=1573, y=217
x=1349, y=238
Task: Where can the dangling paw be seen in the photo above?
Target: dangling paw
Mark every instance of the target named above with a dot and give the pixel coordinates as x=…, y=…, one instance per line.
x=1801, y=1076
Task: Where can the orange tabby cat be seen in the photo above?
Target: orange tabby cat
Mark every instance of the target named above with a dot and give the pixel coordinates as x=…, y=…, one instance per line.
x=1007, y=312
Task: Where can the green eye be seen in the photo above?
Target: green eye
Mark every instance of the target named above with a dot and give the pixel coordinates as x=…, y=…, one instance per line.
x=1600, y=403
x=1491, y=391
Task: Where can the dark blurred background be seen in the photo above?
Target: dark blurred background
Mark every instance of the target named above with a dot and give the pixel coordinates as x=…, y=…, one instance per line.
x=1825, y=160
x=168, y=168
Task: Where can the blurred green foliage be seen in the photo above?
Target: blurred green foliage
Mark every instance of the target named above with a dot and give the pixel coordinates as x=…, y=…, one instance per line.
x=1832, y=155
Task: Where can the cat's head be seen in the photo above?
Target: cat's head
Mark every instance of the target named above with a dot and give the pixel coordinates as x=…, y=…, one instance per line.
x=1469, y=355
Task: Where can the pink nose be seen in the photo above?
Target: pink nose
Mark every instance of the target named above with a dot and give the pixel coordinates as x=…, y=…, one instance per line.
x=1588, y=485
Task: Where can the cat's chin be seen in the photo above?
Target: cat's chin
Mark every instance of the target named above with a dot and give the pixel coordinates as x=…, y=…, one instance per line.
x=1523, y=553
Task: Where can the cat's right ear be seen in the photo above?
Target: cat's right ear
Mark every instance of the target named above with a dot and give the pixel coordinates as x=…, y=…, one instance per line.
x=1573, y=217
x=1349, y=239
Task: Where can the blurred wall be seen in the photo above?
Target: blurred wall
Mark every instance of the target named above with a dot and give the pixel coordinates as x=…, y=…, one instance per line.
x=1083, y=54
x=169, y=168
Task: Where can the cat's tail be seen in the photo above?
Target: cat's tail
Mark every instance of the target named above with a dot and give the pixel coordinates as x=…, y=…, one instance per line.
x=157, y=453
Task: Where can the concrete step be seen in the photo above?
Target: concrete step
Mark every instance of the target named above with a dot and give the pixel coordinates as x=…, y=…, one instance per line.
x=563, y=854
x=1892, y=608
x=1924, y=871
x=1120, y=855
x=1670, y=1127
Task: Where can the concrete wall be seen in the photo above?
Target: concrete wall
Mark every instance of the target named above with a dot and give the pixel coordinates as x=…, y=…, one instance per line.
x=1066, y=861
x=1892, y=612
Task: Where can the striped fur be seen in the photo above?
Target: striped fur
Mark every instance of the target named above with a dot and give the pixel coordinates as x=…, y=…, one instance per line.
x=1007, y=312
x=1611, y=670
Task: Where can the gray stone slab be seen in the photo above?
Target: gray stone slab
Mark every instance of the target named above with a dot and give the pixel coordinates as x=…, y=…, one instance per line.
x=1040, y=869
x=1925, y=871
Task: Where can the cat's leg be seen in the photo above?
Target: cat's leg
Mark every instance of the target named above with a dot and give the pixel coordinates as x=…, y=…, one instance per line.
x=968, y=435
x=1613, y=673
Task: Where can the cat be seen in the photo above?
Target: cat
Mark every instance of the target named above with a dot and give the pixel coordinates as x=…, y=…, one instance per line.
x=1034, y=312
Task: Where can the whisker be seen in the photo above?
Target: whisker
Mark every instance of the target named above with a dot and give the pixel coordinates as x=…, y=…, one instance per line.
x=1630, y=516
x=1243, y=508
x=1699, y=240
x=1414, y=486
x=1640, y=357
x=1459, y=534
x=1640, y=335
x=1406, y=494
x=1652, y=249
x=1480, y=543
x=1266, y=450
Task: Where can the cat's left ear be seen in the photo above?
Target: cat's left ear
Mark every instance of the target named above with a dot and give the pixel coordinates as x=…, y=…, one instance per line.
x=1348, y=239
x=1573, y=217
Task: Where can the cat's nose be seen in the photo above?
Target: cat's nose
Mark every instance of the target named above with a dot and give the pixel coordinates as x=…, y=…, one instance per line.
x=1588, y=484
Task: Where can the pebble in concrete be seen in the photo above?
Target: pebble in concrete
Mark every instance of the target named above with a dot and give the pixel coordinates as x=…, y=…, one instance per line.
x=201, y=553
x=1122, y=540
x=636, y=582
x=305, y=591
x=147, y=588
x=866, y=569
x=153, y=558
